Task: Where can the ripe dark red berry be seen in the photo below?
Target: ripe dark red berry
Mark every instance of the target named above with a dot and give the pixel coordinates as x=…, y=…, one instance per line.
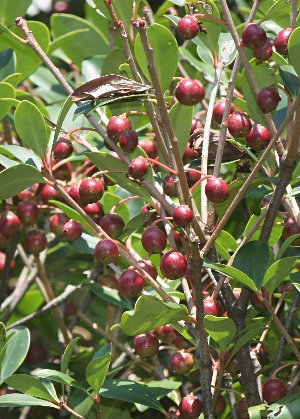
x=173, y=265
x=63, y=148
x=63, y=171
x=28, y=212
x=72, y=230
x=106, y=251
x=273, y=390
x=150, y=147
x=74, y=193
x=94, y=211
x=182, y=215
x=239, y=124
x=189, y=92
x=281, y=41
x=165, y=334
x=36, y=241
x=91, y=190
x=57, y=221
x=131, y=283
x=220, y=405
x=138, y=167
x=182, y=362
x=189, y=154
x=190, y=407
x=259, y=138
x=154, y=240
x=10, y=224
x=112, y=224
x=263, y=53
x=218, y=110
x=217, y=190
x=48, y=193
x=268, y=99
x=242, y=409
x=188, y=27
x=169, y=185
x=128, y=140
x=254, y=36
x=147, y=266
x=116, y=125
x=289, y=230
x=146, y=345
x=181, y=342
x=211, y=307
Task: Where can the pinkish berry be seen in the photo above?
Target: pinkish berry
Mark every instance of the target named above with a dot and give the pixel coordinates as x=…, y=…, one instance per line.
x=173, y=265
x=72, y=230
x=169, y=185
x=263, y=53
x=94, y=211
x=182, y=215
x=188, y=27
x=91, y=190
x=106, y=251
x=138, y=167
x=146, y=345
x=74, y=193
x=131, y=283
x=189, y=155
x=116, y=125
x=49, y=193
x=154, y=240
x=182, y=362
x=281, y=41
x=273, y=390
x=36, y=241
x=211, y=307
x=63, y=148
x=254, y=36
x=189, y=92
x=259, y=138
x=239, y=124
x=57, y=222
x=9, y=224
x=190, y=407
x=150, y=147
x=217, y=190
x=165, y=334
x=28, y=212
x=147, y=266
x=268, y=99
x=112, y=224
x=218, y=110
x=181, y=342
x=128, y=140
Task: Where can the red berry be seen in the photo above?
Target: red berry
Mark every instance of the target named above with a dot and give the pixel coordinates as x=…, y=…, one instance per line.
x=2, y=262
x=169, y=185
x=254, y=36
x=268, y=99
x=190, y=407
x=180, y=342
x=147, y=266
x=28, y=212
x=193, y=176
x=165, y=334
x=220, y=405
x=36, y=353
x=112, y=224
x=263, y=53
x=57, y=222
x=259, y=138
x=62, y=7
x=106, y=251
x=257, y=304
x=182, y=362
x=9, y=224
x=189, y=92
x=63, y=148
x=94, y=211
x=36, y=241
x=218, y=110
x=289, y=230
x=239, y=124
x=64, y=171
x=128, y=140
x=173, y=265
x=217, y=190
x=182, y=215
x=188, y=27
x=74, y=193
x=131, y=283
x=242, y=409
x=150, y=147
x=273, y=390
x=116, y=125
x=189, y=154
x=72, y=230
x=91, y=190
x=48, y=193
x=281, y=41
x=146, y=345
x=138, y=167
x=154, y=240
x=211, y=307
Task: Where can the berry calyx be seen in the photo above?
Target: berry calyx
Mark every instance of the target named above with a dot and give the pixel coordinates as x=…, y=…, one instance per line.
x=146, y=345
x=263, y=53
x=254, y=36
x=36, y=241
x=10, y=224
x=154, y=240
x=72, y=230
x=173, y=265
x=259, y=138
x=116, y=125
x=281, y=41
x=131, y=283
x=273, y=390
x=182, y=215
x=112, y=224
x=239, y=124
x=218, y=110
x=63, y=148
x=128, y=140
x=190, y=407
x=138, y=167
x=188, y=27
x=182, y=362
x=189, y=92
x=106, y=251
x=268, y=99
x=91, y=190
x=217, y=190
x=28, y=212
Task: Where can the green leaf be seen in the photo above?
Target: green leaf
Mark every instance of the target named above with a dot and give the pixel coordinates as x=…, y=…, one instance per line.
x=22, y=154
x=181, y=117
x=96, y=371
x=253, y=259
x=62, y=115
x=275, y=233
x=233, y=273
x=225, y=242
x=256, y=196
x=221, y=329
x=257, y=412
x=15, y=400
x=7, y=64
x=106, y=349
x=290, y=78
x=68, y=354
x=30, y=385
x=286, y=408
x=166, y=54
x=9, y=8
x=69, y=211
x=60, y=42
x=14, y=351
x=85, y=244
x=17, y=178
x=6, y=91
x=110, y=295
x=31, y=127
x=286, y=244
x=59, y=377
x=227, y=48
x=113, y=61
x=123, y=9
x=248, y=334
x=2, y=335
x=134, y=224
x=277, y=272
x=12, y=79
x=105, y=161
x=150, y=313
x=130, y=391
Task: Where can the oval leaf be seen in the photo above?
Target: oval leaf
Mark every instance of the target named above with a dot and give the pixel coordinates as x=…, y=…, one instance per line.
x=294, y=49
x=7, y=91
x=96, y=371
x=59, y=377
x=181, y=117
x=67, y=355
x=30, y=385
x=15, y=400
x=221, y=329
x=277, y=272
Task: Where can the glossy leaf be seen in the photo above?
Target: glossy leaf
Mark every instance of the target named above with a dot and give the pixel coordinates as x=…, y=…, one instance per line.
x=30, y=385
x=17, y=178
x=14, y=351
x=149, y=313
x=165, y=52
x=110, y=295
x=221, y=329
x=68, y=354
x=257, y=412
x=286, y=244
x=253, y=259
x=130, y=391
x=294, y=49
x=62, y=115
x=256, y=196
x=8, y=10
x=22, y=154
x=69, y=211
x=277, y=273
x=227, y=48
x=12, y=79
x=59, y=377
x=7, y=63
x=113, y=61
x=286, y=408
x=60, y=42
x=233, y=273
x=181, y=117
x=6, y=91
x=96, y=371
x=15, y=400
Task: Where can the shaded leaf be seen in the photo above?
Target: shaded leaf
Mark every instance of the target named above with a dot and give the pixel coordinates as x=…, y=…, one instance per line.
x=7, y=64
x=221, y=329
x=290, y=78
x=59, y=377
x=68, y=354
x=181, y=117
x=110, y=295
x=6, y=91
x=248, y=334
x=30, y=385
x=2, y=335
x=96, y=371
x=277, y=273
x=15, y=400
x=22, y=154
x=62, y=115
x=275, y=233
x=286, y=244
